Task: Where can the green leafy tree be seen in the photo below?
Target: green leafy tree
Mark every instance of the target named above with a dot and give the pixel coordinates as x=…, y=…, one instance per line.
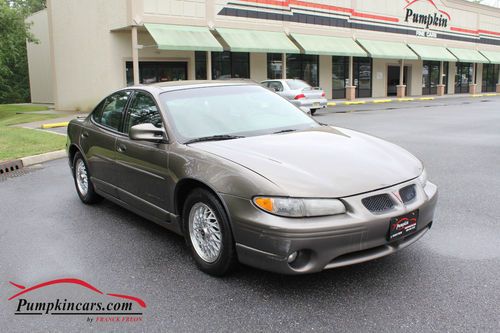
x=14, y=32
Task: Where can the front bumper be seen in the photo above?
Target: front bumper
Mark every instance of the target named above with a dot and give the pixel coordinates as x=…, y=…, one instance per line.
x=265, y=241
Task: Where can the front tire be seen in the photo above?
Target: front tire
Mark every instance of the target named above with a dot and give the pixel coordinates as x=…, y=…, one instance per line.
x=313, y=111
x=83, y=184
x=208, y=233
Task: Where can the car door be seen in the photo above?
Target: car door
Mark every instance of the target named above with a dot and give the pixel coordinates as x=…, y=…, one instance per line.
x=98, y=140
x=143, y=174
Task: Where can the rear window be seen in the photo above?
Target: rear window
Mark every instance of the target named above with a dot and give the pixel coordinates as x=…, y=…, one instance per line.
x=297, y=84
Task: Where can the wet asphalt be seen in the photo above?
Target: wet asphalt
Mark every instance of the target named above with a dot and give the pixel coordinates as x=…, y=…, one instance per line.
x=448, y=281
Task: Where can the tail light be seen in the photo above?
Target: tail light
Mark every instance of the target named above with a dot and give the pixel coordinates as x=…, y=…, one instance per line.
x=323, y=94
x=300, y=96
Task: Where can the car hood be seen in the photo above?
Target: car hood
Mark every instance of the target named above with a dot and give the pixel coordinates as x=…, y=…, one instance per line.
x=322, y=162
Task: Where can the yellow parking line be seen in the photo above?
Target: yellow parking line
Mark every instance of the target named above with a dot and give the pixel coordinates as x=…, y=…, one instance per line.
x=477, y=95
x=408, y=99
x=53, y=125
x=331, y=104
x=354, y=102
x=377, y=101
x=426, y=98
x=490, y=94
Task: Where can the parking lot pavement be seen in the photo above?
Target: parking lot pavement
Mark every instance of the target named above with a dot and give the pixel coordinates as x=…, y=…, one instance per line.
x=448, y=281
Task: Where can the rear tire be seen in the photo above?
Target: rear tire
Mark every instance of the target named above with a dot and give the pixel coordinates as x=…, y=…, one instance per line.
x=208, y=233
x=313, y=111
x=83, y=184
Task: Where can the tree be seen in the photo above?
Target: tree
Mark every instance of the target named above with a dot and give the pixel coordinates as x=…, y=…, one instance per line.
x=14, y=32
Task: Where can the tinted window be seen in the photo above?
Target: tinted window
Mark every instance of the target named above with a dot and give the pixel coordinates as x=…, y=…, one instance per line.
x=142, y=110
x=276, y=86
x=110, y=115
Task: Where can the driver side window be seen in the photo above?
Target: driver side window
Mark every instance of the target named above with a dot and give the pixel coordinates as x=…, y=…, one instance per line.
x=143, y=110
x=109, y=112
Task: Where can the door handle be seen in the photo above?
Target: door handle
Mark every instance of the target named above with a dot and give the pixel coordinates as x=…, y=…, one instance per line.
x=85, y=134
x=121, y=148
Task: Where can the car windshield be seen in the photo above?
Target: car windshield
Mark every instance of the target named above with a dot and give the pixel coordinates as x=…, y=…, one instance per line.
x=297, y=84
x=236, y=110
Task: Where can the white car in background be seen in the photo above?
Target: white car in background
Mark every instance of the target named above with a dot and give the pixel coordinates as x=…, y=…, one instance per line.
x=299, y=92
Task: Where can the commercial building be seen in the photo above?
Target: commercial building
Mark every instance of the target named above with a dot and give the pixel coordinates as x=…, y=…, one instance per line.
x=350, y=48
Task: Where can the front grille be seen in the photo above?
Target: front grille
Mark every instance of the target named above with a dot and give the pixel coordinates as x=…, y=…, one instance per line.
x=408, y=193
x=378, y=203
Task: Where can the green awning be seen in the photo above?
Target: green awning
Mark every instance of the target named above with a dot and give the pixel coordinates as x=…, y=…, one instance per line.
x=436, y=53
x=183, y=38
x=325, y=45
x=387, y=50
x=240, y=40
x=493, y=57
x=467, y=55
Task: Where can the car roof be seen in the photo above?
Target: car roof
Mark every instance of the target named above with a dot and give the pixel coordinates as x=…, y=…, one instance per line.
x=190, y=84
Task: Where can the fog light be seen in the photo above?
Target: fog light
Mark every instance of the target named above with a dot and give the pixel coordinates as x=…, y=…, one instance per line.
x=292, y=257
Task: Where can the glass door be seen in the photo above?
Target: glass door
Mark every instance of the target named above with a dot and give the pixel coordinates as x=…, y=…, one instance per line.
x=430, y=77
x=340, y=72
x=463, y=77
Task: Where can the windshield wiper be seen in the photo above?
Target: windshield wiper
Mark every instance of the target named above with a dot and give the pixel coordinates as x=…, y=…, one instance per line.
x=285, y=131
x=214, y=138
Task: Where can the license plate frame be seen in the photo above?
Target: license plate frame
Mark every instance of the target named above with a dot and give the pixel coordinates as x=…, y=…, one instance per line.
x=402, y=226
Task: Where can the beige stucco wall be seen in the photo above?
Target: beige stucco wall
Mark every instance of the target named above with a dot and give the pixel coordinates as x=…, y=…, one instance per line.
x=90, y=41
x=325, y=74
x=39, y=60
x=258, y=66
x=452, y=71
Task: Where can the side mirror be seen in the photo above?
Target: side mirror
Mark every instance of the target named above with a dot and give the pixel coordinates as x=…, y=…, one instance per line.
x=147, y=132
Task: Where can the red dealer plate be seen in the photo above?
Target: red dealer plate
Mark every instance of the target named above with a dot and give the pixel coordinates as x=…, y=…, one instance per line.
x=402, y=226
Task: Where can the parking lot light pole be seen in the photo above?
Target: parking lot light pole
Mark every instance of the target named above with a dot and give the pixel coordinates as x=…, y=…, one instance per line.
x=135, y=56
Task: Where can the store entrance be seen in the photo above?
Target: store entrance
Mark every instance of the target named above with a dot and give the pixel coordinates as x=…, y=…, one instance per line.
x=393, y=79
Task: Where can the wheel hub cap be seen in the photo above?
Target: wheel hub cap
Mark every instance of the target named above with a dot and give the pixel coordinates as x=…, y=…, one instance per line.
x=82, y=180
x=205, y=233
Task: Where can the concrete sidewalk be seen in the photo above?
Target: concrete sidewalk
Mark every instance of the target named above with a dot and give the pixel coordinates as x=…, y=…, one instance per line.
x=58, y=130
x=392, y=99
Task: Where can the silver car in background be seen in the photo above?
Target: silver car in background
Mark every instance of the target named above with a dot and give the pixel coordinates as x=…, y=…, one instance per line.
x=299, y=93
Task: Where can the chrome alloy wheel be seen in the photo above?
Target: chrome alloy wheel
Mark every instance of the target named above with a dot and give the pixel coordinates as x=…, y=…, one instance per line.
x=82, y=179
x=205, y=233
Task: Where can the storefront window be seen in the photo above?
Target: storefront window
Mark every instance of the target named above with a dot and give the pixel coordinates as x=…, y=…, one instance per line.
x=274, y=66
x=157, y=71
x=227, y=65
x=463, y=77
x=362, y=76
x=200, y=64
x=430, y=77
x=490, y=77
x=304, y=67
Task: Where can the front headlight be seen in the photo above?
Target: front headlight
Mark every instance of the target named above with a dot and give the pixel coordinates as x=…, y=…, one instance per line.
x=422, y=179
x=295, y=207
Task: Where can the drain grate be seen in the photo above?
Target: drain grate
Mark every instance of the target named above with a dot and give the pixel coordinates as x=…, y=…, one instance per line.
x=10, y=166
x=19, y=172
